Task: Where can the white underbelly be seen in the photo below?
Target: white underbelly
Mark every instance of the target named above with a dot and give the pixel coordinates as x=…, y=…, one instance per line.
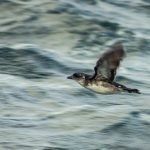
x=101, y=89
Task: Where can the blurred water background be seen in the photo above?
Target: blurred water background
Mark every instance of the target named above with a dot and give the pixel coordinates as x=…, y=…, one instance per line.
x=44, y=41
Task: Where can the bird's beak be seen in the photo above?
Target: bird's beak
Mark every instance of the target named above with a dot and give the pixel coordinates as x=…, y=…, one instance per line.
x=69, y=77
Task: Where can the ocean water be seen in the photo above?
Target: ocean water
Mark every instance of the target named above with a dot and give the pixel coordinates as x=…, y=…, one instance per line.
x=41, y=43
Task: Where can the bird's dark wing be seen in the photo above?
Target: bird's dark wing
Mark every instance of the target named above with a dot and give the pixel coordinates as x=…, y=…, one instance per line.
x=108, y=63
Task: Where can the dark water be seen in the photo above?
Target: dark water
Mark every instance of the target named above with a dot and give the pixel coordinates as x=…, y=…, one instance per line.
x=41, y=43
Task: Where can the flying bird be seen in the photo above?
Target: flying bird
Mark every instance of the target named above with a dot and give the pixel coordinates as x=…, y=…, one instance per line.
x=102, y=81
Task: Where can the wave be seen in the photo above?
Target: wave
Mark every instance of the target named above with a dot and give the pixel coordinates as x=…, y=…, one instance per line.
x=29, y=62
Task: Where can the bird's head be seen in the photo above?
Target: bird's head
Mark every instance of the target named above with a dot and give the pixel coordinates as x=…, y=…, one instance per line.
x=79, y=77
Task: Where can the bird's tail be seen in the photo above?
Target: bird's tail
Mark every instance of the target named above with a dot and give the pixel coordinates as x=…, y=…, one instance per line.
x=124, y=88
x=132, y=90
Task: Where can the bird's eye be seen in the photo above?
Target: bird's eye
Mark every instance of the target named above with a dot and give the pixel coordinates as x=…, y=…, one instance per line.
x=77, y=75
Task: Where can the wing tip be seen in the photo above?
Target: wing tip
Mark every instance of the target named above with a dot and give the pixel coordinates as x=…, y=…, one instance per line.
x=118, y=45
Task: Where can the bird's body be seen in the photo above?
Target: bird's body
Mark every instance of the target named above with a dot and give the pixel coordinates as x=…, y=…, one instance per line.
x=101, y=87
x=105, y=70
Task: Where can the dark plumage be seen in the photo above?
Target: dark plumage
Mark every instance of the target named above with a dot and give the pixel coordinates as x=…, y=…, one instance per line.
x=108, y=63
x=105, y=70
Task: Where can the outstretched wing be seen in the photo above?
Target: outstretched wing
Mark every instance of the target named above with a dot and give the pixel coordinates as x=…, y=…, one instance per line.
x=108, y=63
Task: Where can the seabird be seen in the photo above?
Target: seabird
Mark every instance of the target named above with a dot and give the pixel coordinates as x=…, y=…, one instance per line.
x=102, y=81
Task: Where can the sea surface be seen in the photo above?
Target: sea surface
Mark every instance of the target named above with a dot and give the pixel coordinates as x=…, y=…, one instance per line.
x=44, y=41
